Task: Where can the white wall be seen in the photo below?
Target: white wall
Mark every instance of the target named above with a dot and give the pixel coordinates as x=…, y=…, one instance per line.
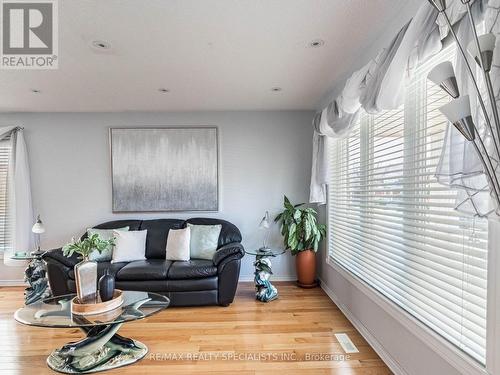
x=262, y=156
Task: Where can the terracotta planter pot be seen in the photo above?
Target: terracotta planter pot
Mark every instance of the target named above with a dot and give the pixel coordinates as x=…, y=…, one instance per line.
x=305, y=262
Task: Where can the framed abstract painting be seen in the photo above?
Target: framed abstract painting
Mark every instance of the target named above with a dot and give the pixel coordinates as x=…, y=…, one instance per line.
x=164, y=169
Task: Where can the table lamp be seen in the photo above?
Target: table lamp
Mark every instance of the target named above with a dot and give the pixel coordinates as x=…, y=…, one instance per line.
x=265, y=224
x=38, y=229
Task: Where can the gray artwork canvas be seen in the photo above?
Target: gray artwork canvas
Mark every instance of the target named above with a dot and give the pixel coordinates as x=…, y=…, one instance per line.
x=165, y=169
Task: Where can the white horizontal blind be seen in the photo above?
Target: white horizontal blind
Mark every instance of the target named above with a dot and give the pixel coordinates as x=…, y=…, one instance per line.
x=393, y=226
x=5, y=232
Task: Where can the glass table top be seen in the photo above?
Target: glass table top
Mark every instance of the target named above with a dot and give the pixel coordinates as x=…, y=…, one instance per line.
x=24, y=257
x=56, y=311
x=266, y=252
x=27, y=256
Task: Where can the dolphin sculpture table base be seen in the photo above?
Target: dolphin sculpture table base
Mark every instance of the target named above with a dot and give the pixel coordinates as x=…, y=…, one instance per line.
x=101, y=350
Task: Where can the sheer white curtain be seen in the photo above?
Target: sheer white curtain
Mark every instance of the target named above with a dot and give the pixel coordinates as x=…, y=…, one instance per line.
x=20, y=209
x=332, y=122
x=370, y=87
x=380, y=85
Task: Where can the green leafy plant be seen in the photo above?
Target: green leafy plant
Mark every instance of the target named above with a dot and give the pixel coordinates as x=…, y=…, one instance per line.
x=300, y=228
x=87, y=246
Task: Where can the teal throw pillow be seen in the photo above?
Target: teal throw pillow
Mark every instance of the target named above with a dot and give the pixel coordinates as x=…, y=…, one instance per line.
x=105, y=234
x=204, y=241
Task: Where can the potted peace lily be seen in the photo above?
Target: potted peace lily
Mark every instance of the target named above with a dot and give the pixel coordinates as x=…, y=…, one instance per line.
x=302, y=234
x=86, y=270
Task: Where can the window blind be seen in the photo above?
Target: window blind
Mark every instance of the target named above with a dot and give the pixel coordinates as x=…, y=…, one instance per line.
x=394, y=227
x=5, y=232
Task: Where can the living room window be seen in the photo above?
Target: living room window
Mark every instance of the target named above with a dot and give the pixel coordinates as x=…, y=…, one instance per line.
x=394, y=226
x=5, y=232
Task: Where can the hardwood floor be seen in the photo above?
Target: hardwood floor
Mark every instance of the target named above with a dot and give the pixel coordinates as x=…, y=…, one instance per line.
x=259, y=338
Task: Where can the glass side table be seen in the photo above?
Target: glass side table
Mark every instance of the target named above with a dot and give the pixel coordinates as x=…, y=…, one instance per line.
x=264, y=290
x=36, y=276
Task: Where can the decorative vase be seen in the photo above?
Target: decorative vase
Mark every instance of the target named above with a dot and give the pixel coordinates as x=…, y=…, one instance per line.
x=86, y=280
x=305, y=263
x=106, y=286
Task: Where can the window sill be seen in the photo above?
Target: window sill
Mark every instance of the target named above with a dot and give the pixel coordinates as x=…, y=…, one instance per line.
x=461, y=361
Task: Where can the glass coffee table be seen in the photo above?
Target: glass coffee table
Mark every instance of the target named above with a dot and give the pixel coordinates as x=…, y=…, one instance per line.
x=103, y=348
x=264, y=290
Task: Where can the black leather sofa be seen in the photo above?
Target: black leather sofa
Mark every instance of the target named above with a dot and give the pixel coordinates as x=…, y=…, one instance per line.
x=187, y=283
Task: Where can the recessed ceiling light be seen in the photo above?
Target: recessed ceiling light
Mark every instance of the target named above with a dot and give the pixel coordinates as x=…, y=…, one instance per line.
x=163, y=90
x=316, y=43
x=101, y=45
x=276, y=89
x=35, y=91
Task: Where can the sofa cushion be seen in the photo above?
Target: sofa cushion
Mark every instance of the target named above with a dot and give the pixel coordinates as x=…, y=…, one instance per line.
x=204, y=240
x=104, y=234
x=116, y=224
x=101, y=269
x=229, y=232
x=149, y=269
x=156, y=241
x=129, y=246
x=193, y=285
x=192, y=269
x=178, y=244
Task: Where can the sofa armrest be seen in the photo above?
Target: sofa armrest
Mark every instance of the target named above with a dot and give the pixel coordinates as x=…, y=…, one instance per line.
x=57, y=255
x=234, y=250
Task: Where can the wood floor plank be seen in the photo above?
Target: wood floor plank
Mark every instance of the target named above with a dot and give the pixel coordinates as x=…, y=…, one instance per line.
x=293, y=334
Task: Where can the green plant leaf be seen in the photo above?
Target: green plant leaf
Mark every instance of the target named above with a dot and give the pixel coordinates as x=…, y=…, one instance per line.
x=297, y=215
x=299, y=227
x=308, y=230
x=88, y=245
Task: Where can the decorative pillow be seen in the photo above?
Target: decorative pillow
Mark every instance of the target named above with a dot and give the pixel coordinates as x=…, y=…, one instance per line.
x=178, y=244
x=204, y=240
x=129, y=246
x=105, y=234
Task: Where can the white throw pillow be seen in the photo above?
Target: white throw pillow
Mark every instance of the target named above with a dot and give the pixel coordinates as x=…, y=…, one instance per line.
x=104, y=234
x=178, y=244
x=204, y=240
x=129, y=246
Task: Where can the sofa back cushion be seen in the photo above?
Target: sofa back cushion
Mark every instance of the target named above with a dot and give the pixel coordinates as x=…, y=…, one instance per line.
x=229, y=232
x=117, y=224
x=156, y=241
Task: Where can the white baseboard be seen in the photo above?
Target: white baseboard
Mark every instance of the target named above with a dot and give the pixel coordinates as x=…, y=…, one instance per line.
x=393, y=365
x=273, y=278
x=12, y=283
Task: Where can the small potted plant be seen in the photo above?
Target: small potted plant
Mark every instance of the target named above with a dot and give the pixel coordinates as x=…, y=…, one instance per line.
x=86, y=270
x=302, y=234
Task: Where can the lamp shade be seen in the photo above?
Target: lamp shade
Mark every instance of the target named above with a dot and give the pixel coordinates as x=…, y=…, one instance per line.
x=458, y=113
x=38, y=227
x=443, y=75
x=265, y=223
x=487, y=45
